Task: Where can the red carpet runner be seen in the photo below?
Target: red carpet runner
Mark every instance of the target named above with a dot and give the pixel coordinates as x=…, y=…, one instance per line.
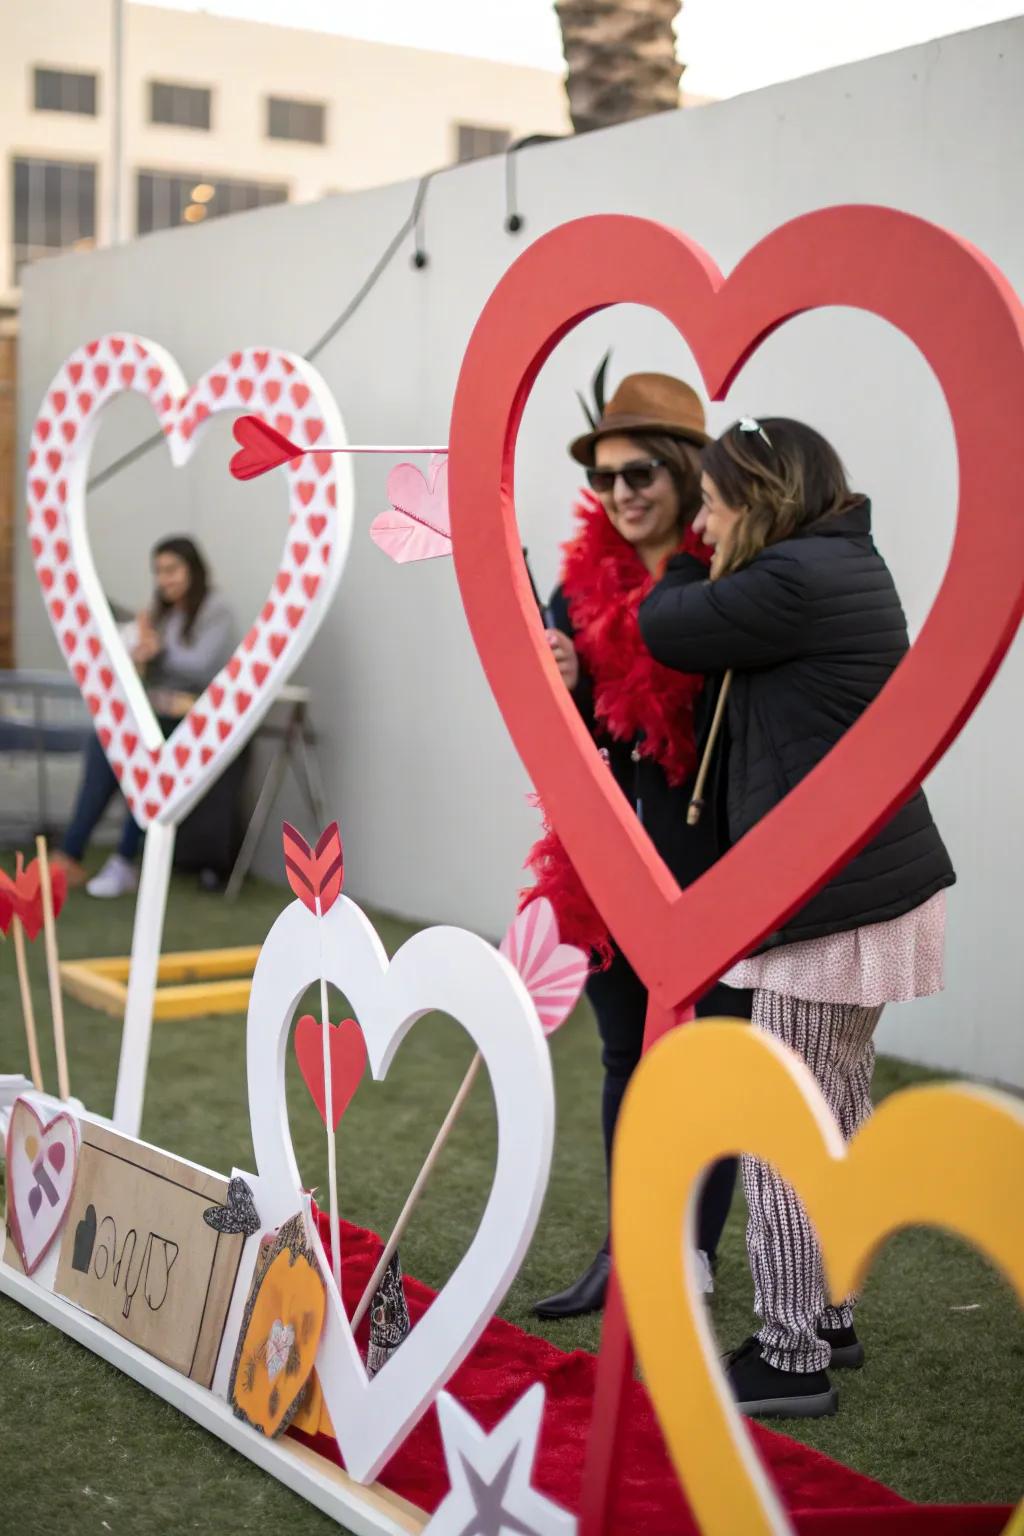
x=824, y=1498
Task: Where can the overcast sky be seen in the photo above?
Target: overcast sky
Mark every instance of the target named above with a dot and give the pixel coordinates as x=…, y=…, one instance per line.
x=727, y=45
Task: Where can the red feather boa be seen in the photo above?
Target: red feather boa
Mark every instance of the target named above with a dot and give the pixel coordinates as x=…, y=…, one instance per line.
x=636, y=699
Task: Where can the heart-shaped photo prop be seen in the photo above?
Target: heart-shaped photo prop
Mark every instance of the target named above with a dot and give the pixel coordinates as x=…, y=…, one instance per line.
x=943, y=1156
x=42, y=1160
x=162, y=780
x=239, y=1215
x=553, y=973
x=417, y=526
x=962, y=315
x=348, y=1062
x=453, y=972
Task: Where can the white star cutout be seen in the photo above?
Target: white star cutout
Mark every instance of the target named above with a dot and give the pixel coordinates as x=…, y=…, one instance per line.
x=490, y=1493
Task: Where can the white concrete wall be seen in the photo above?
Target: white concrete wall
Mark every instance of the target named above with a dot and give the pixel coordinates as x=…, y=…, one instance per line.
x=428, y=788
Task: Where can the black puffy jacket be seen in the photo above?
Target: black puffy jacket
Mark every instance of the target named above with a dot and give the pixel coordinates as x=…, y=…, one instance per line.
x=812, y=629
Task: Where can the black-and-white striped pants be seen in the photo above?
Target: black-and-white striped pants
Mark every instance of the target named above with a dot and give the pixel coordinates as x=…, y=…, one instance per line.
x=835, y=1040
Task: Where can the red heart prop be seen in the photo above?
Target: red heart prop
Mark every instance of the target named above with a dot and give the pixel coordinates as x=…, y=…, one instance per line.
x=964, y=318
x=348, y=1062
x=261, y=448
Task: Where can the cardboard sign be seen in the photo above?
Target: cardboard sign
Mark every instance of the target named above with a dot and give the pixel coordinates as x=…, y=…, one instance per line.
x=137, y=1254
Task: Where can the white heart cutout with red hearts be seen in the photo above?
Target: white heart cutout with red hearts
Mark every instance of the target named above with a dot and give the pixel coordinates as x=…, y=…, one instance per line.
x=454, y=972
x=162, y=780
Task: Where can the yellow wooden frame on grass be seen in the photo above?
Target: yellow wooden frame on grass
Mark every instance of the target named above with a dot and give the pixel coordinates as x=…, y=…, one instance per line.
x=201, y=981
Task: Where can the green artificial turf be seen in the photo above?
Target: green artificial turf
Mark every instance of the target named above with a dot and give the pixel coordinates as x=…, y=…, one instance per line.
x=936, y=1414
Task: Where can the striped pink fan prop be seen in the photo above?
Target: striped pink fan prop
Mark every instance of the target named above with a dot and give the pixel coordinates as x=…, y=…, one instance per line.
x=554, y=973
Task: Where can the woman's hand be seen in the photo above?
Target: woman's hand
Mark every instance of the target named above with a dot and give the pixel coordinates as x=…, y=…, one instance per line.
x=147, y=642
x=564, y=652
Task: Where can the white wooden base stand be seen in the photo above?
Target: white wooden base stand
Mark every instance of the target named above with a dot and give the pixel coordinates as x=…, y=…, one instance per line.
x=372, y=1511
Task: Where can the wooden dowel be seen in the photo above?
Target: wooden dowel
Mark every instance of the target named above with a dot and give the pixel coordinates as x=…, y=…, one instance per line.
x=53, y=969
x=696, y=804
x=416, y=1191
x=28, y=1015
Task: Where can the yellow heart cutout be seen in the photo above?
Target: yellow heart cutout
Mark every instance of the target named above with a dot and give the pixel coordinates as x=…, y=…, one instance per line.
x=944, y=1156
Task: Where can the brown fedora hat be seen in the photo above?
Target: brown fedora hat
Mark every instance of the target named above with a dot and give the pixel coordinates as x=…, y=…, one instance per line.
x=646, y=402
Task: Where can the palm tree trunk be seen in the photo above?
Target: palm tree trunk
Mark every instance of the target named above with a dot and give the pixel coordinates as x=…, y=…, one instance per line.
x=620, y=59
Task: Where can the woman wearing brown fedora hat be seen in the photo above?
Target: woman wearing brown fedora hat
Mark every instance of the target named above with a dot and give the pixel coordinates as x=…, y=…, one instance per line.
x=642, y=456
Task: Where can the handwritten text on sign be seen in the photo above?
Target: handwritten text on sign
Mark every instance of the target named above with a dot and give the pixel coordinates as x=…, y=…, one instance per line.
x=137, y=1254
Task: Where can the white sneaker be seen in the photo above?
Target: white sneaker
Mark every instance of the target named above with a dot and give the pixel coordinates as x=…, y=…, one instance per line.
x=705, y=1274
x=116, y=878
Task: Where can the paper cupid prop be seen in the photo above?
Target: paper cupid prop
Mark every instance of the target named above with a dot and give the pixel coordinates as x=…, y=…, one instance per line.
x=263, y=447
x=316, y=876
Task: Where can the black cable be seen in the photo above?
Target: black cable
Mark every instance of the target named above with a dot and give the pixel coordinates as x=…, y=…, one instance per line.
x=514, y=220
x=411, y=221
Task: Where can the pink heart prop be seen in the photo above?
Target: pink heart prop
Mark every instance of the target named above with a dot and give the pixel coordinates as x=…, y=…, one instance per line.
x=161, y=779
x=261, y=448
x=554, y=973
x=417, y=527
x=37, y=1201
x=348, y=1062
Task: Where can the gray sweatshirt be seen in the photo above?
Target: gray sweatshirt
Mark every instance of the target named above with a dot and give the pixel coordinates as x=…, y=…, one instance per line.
x=188, y=665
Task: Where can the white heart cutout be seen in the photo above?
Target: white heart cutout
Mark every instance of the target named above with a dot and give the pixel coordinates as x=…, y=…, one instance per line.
x=162, y=780
x=457, y=973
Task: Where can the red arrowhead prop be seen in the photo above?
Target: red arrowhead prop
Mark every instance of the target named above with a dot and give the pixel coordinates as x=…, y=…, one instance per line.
x=261, y=448
x=348, y=1061
x=314, y=874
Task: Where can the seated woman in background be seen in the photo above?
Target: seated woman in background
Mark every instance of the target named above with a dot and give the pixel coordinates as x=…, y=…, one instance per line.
x=179, y=645
x=802, y=609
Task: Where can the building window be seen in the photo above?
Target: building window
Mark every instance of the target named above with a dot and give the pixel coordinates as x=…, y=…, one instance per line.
x=54, y=208
x=60, y=90
x=301, y=120
x=182, y=106
x=475, y=142
x=169, y=198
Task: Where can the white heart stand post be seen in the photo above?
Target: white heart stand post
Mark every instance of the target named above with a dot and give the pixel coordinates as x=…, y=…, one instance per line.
x=164, y=779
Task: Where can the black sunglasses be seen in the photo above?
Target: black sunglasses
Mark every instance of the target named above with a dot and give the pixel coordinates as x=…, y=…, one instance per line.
x=639, y=476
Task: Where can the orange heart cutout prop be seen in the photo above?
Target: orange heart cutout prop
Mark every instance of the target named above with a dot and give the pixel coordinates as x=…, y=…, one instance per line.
x=945, y=1156
x=964, y=318
x=280, y=1332
x=348, y=1062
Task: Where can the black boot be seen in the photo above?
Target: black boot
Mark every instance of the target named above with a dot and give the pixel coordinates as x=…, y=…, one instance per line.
x=586, y=1295
x=761, y=1389
x=847, y=1349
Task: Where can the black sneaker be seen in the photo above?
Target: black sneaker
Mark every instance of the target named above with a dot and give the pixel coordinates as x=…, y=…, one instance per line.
x=759, y=1389
x=847, y=1349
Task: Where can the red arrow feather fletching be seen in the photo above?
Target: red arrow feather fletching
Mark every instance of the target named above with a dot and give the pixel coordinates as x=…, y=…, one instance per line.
x=314, y=874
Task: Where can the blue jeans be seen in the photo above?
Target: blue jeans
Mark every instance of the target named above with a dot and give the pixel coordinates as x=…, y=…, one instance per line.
x=95, y=793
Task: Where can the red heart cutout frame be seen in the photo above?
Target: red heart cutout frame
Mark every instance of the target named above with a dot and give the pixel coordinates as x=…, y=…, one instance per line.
x=348, y=1062
x=964, y=318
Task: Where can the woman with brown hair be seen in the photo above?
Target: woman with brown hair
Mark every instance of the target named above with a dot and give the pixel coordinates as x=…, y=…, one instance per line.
x=642, y=462
x=178, y=644
x=801, y=609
